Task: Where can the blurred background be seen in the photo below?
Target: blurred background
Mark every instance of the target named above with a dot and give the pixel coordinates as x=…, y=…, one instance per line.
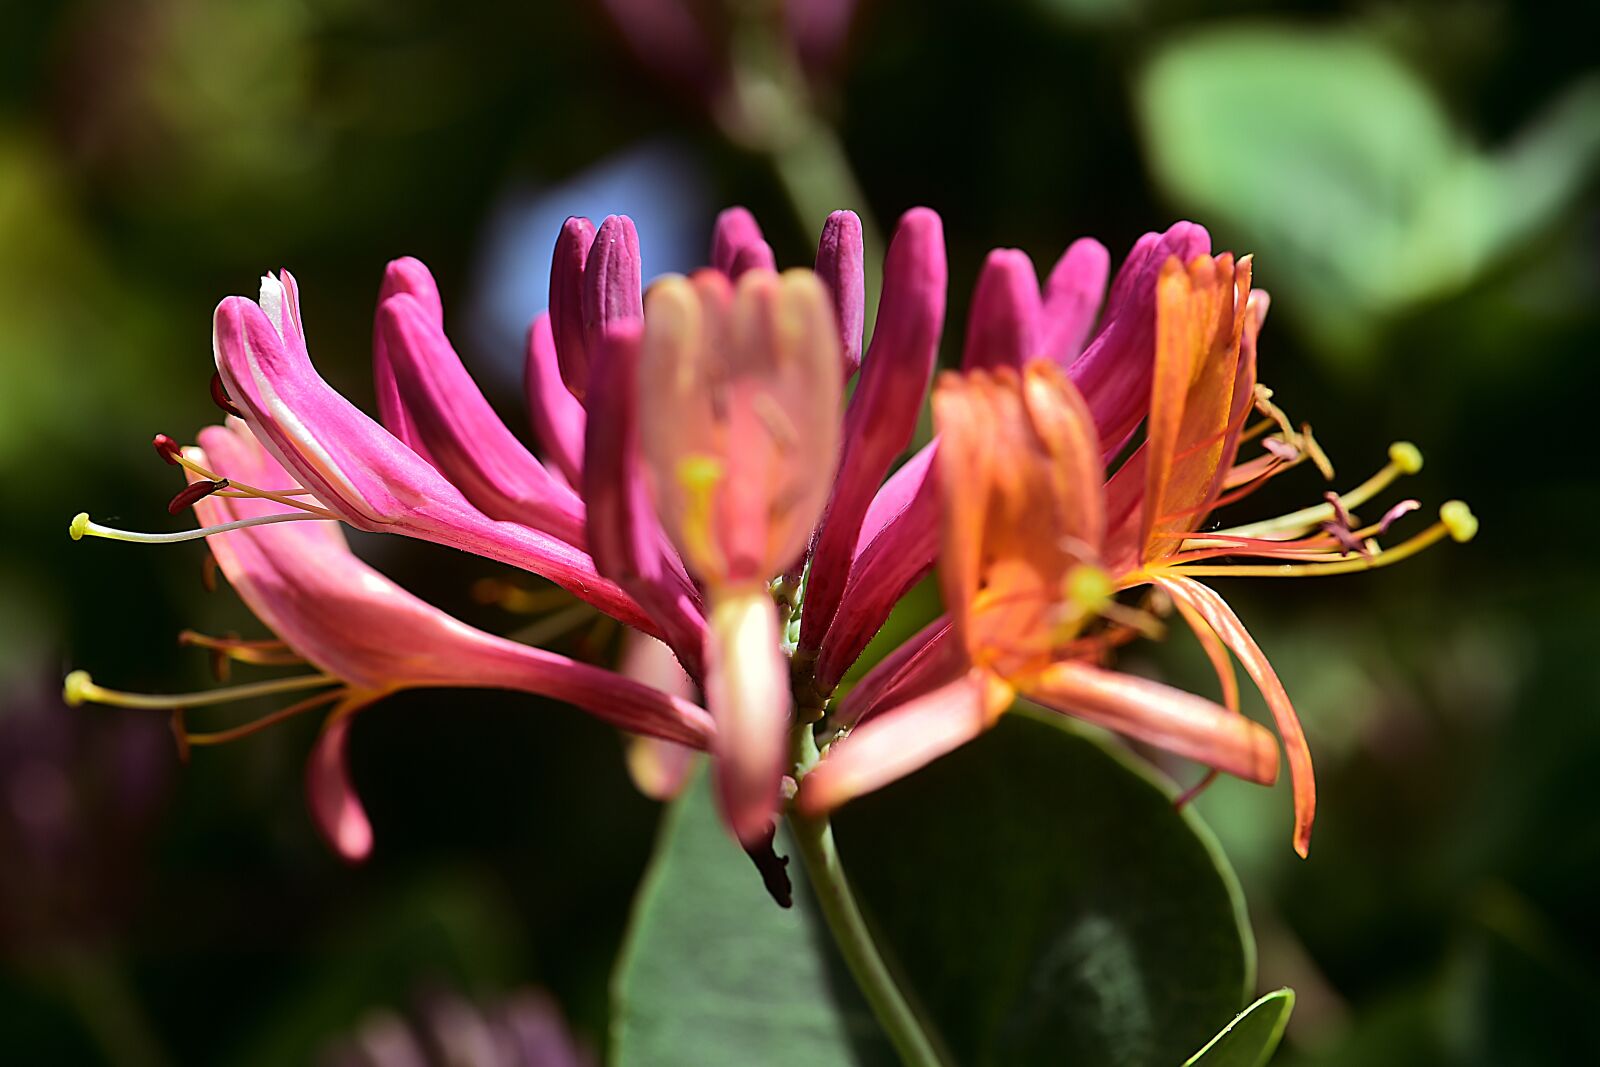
x=1417, y=181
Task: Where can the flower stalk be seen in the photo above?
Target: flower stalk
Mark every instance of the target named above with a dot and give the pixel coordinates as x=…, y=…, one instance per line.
x=813, y=837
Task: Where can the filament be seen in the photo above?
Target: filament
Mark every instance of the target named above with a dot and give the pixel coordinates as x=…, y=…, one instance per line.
x=83, y=526
x=1456, y=522
x=261, y=653
x=239, y=489
x=1404, y=458
x=79, y=688
x=254, y=726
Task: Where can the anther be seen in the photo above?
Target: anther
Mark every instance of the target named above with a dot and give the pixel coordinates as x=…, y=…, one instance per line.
x=219, y=395
x=1459, y=520
x=1394, y=513
x=168, y=449
x=194, y=492
x=1406, y=456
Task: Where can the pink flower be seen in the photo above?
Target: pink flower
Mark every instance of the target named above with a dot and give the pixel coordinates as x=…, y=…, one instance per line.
x=368, y=638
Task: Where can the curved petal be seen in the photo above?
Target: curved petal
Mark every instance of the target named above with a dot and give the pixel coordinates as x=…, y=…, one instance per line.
x=558, y=417
x=1072, y=296
x=331, y=797
x=842, y=268
x=1003, y=320
x=902, y=740
x=462, y=434
x=1220, y=617
x=747, y=691
x=1160, y=715
x=883, y=412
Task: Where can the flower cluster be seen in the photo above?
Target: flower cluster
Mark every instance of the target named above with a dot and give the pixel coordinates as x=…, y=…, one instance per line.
x=702, y=479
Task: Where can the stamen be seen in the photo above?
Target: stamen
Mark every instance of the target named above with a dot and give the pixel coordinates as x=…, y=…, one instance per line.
x=260, y=653
x=240, y=489
x=194, y=492
x=1404, y=458
x=1394, y=513
x=79, y=689
x=83, y=526
x=517, y=600
x=1456, y=521
x=255, y=726
x=219, y=396
x=167, y=449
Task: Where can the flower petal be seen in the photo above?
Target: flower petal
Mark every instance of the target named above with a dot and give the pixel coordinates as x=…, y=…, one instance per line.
x=330, y=795
x=737, y=244
x=1003, y=319
x=930, y=658
x=1160, y=715
x=558, y=416
x=629, y=545
x=883, y=412
x=461, y=433
x=1220, y=617
x=406, y=275
x=747, y=690
x=902, y=740
x=841, y=266
x=566, y=303
x=1072, y=296
x=1114, y=371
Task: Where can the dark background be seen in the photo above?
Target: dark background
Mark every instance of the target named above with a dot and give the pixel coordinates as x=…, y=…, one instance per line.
x=156, y=155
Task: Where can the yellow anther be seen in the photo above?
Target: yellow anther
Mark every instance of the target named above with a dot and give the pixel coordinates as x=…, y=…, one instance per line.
x=1459, y=520
x=77, y=688
x=698, y=475
x=1406, y=456
x=80, y=525
x=1089, y=587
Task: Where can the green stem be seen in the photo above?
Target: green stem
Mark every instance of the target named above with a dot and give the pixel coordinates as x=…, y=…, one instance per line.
x=813, y=838
x=109, y=1008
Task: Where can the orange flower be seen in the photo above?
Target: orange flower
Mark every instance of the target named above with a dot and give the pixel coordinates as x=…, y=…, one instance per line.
x=1035, y=549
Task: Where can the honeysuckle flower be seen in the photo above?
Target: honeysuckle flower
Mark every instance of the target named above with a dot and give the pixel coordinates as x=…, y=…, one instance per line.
x=348, y=467
x=1023, y=522
x=365, y=637
x=1011, y=320
x=739, y=393
x=1143, y=528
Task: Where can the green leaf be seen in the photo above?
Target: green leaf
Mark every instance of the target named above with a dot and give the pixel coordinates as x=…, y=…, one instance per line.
x=1252, y=1037
x=713, y=972
x=1049, y=905
x=1333, y=160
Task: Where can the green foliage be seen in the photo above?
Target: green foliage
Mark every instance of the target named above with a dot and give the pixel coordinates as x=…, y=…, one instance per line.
x=1331, y=157
x=1252, y=1037
x=1045, y=901
x=1048, y=903
x=714, y=972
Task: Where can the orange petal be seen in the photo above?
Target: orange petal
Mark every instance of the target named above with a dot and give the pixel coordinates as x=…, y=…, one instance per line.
x=1169, y=718
x=1220, y=617
x=903, y=739
x=739, y=416
x=1200, y=314
x=1020, y=486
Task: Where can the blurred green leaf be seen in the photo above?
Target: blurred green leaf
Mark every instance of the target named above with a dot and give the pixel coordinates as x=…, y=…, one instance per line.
x=1252, y=1037
x=1335, y=161
x=1049, y=904
x=713, y=972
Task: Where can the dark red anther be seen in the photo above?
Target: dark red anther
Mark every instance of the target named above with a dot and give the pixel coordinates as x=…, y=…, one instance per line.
x=773, y=868
x=167, y=449
x=194, y=491
x=219, y=394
